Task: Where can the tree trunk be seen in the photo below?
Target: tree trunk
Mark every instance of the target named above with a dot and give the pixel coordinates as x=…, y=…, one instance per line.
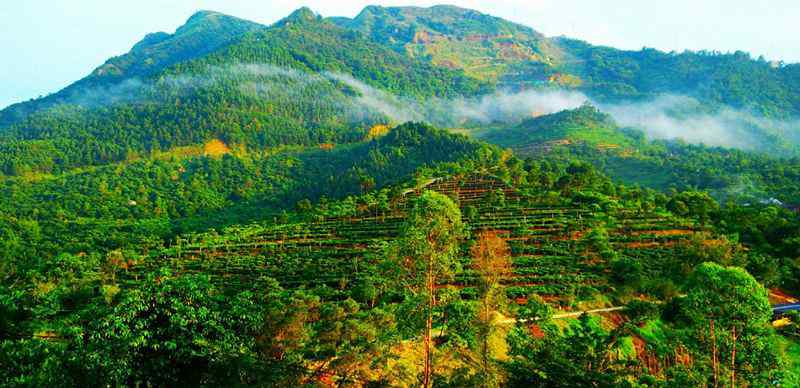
x=429, y=328
x=487, y=332
x=733, y=360
x=714, y=356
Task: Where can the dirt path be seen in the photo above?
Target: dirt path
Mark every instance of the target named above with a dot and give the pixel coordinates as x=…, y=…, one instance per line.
x=509, y=321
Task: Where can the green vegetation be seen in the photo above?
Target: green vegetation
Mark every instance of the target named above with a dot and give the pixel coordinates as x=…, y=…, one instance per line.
x=793, y=359
x=135, y=206
x=625, y=155
x=328, y=266
x=427, y=255
x=231, y=205
x=584, y=125
x=728, y=311
x=272, y=87
x=734, y=80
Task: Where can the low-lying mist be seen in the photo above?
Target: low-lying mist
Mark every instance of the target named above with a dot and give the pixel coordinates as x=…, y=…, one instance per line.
x=685, y=118
x=668, y=117
x=664, y=117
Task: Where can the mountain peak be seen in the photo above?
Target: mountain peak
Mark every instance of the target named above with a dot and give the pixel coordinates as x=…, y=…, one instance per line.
x=203, y=32
x=442, y=8
x=402, y=23
x=207, y=20
x=203, y=15
x=301, y=15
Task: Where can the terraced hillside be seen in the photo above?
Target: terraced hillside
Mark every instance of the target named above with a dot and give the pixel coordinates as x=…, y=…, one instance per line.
x=560, y=251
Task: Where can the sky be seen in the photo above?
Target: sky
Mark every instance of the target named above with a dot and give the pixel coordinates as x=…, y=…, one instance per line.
x=48, y=44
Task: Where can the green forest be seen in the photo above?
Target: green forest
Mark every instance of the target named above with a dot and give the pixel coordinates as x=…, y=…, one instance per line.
x=237, y=204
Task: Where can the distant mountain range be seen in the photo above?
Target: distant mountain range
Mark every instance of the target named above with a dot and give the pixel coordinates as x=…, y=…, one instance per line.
x=310, y=80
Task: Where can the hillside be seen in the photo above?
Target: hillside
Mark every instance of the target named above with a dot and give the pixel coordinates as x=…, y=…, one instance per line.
x=555, y=244
x=485, y=47
x=204, y=32
x=583, y=125
x=517, y=57
x=218, y=77
x=573, y=244
x=625, y=155
x=716, y=79
x=236, y=93
x=123, y=205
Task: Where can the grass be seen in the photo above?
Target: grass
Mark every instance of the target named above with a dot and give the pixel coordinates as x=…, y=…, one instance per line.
x=626, y=349
x=653, y=332
x=792, y=351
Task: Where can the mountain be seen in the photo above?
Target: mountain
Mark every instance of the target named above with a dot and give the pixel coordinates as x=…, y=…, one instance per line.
x=292, y=111
x=626, y=155
x=716, y=79
x=403, y=24
x=585, y=125
x=485, y=47
x=516, y=57
x=204, y=32
x=300, y=16
x=219, y=77
x=308, y=80
x=233, y=93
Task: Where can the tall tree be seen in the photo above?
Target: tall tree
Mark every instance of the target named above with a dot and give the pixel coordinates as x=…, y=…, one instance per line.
x=491, y=260
x=427, y=254
x=736, y=305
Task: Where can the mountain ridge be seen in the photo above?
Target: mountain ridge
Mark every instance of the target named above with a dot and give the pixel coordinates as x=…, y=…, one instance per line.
x=459, y=65
x=534, y=61
x=203, y=32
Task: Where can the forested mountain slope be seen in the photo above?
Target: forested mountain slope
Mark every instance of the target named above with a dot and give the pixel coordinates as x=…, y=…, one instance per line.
x=539, y=238
x=288, y=84
x=219, y=77
x=204, y=32
x=145, y=201
x=627, y=156
x=737, y=80
x=515, y=56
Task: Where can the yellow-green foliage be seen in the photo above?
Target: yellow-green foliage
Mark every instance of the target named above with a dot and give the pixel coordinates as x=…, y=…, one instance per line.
x=41, y=289
x=626, y=349
x=792, y=352
x=653, y=332
x=215, y=148
x=377, y=131
x=109, y=292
